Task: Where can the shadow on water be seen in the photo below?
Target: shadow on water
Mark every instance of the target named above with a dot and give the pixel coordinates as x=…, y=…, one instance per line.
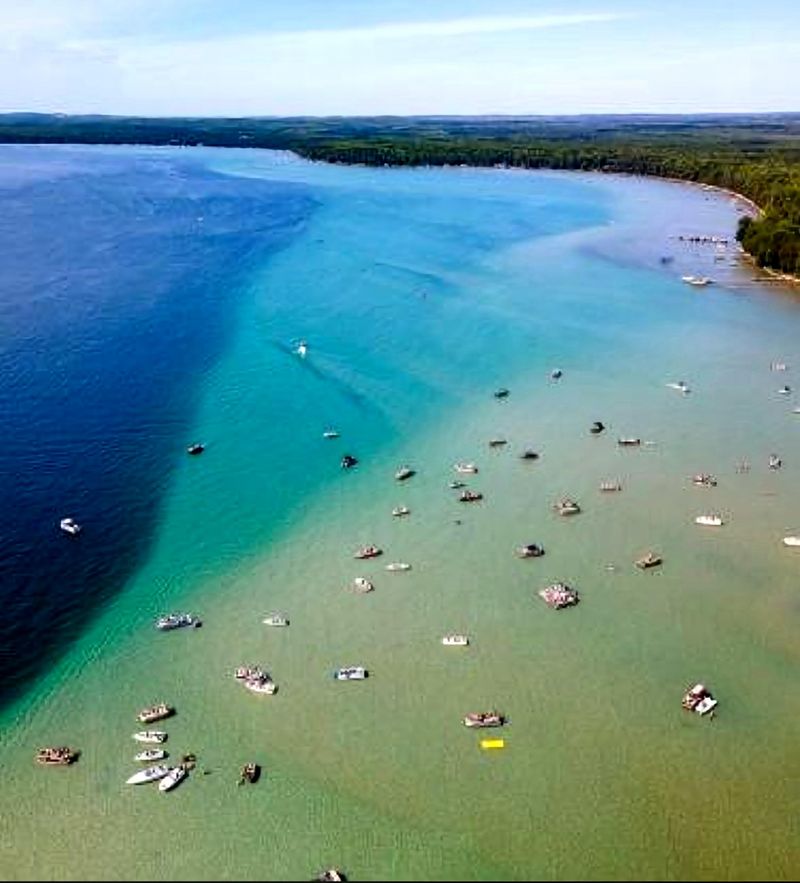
x=121, y=274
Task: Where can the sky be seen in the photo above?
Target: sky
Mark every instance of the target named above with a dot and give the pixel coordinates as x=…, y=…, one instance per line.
x=348, y=57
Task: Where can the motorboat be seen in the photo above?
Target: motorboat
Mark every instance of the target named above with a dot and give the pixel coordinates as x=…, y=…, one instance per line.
x=403, y=473
x=196, y=448
x=497, y=442
x=559, y=595
x=610, y=486
x=330, y=433
x=256, y=680
x=465, y=468
x=566, y=506
x=330, y=875
x=775, y=461
x=60, y=756
x=483, y=719
x=155, y=713
x=150, y=755
x=250, y=773
x=531, y=550
x=398, y=565
x=348, y=461
x=173, y=778
x=680, y=385
x=791, y=541
x=529, y=454
x=709, y=520
x=70, y=526
x=556, y=374
x=153, y=737
x=777, y=366
x=468, y=496
x=597, y=427
x=301, y=349
x=399, y=511
x=368, y=552
x=455, y=640
x=649, y=559
x=785, y=391
x=362, y=585
x=699, y=700
x=629, y=442
x=501, y=393
x=151, y=774
x=796, y=411
x=276, y=619
x=704, y=479
x=351, y=673
x=455, y=485
x=696, y=280
x=177, y=621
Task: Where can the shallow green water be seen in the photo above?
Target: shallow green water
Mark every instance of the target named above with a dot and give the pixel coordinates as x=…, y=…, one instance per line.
x=420, y=292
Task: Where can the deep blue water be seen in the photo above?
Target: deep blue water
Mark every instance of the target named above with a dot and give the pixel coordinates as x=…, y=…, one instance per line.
x=119, y=278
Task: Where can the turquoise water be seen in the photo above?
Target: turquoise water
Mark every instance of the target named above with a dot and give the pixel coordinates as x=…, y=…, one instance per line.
x=420, y=292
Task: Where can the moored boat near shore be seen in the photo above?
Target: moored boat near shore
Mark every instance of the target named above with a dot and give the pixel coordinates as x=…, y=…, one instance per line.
x=151, y=774
x=468, y=496
x=455, y=640
x=529, y=550
x=791, y=541
x=60, y=756
x=400, y=511
x=150, y=736
x=351, y=673
x=173, y=778
x=566, y=506
x=177, y=621
x=649, y=559
x=276, y=619
x=362, y=585
x=404, y=472
x=483, y=719
x=155, y=713
x=699, y=700
x=559, y=595
x=368, y=552
x=711, y=520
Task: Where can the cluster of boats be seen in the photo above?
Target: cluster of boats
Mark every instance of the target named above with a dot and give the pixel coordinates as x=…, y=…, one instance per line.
x=559, y=595
x=167, y=777
x=255, y=679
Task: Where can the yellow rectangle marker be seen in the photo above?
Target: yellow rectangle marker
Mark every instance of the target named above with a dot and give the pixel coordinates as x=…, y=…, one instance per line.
x=493, y=743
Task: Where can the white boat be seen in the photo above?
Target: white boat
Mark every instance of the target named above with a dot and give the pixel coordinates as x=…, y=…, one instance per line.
x=151, y=774
x=796, y=411
x=350, y=673
x=330, y=433
x=302, y=349
x=709, y=520
x=455, y=640
x=465, y=468
x=785, y=391
x=150, y=755
x=153, y=737
x=680, y=386
x=399, y=511
x=176, y=621
x=264, y=686
x=174, y=777
x=404, y=472
x=70, y=526
x=791, y=541
x=697, y=280
x=699, y=700
x=276, y=619
x=362, y=585
x=398, y=565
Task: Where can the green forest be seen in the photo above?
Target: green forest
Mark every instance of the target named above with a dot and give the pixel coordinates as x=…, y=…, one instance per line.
x=755, y=155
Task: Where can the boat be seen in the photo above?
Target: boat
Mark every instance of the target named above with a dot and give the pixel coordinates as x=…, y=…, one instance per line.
x=629, y=442
x=597, y=427
x=497, y=442
x=699, y=700
x=399, y=511
x=489, y=744
x=398, y=565
x=276, y=619
x=151, y=774
x=250, y=772
x=785, y=391
x=455, y=485
x=368, y=552
x=696, y=280
x=610, y=486
x=649, y=559
x=501, y=393
x=482, y=719
x=531, y=550
x=704, y=479
x=348, y=461
x=174, y=777
x=155, y=737
x=177, y=621
x=566, y=506
x=362, y=585
x=60, y=756
x=330, y=433
x=403, y=473
x=455, y=640
x=150, y=755
x=529, y=454
x=330, y=875
x=796, y=411
x=680, y=386
x=155, y=713
x=255, y=679
x=70, y=526
x=302, y=349
x=468, y=496
x=775, y=461
x=559, y=595
x=465, y=468
x=351, y=673
x=556, y=374
x=777, y=366
x=791, y=541
x=196, y=448
x=709, y=520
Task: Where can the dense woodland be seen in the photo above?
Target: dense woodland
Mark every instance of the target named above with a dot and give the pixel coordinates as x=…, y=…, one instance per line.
x=756, y=155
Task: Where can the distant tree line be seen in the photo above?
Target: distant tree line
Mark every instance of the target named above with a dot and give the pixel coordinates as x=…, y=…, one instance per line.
x=755, y=155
